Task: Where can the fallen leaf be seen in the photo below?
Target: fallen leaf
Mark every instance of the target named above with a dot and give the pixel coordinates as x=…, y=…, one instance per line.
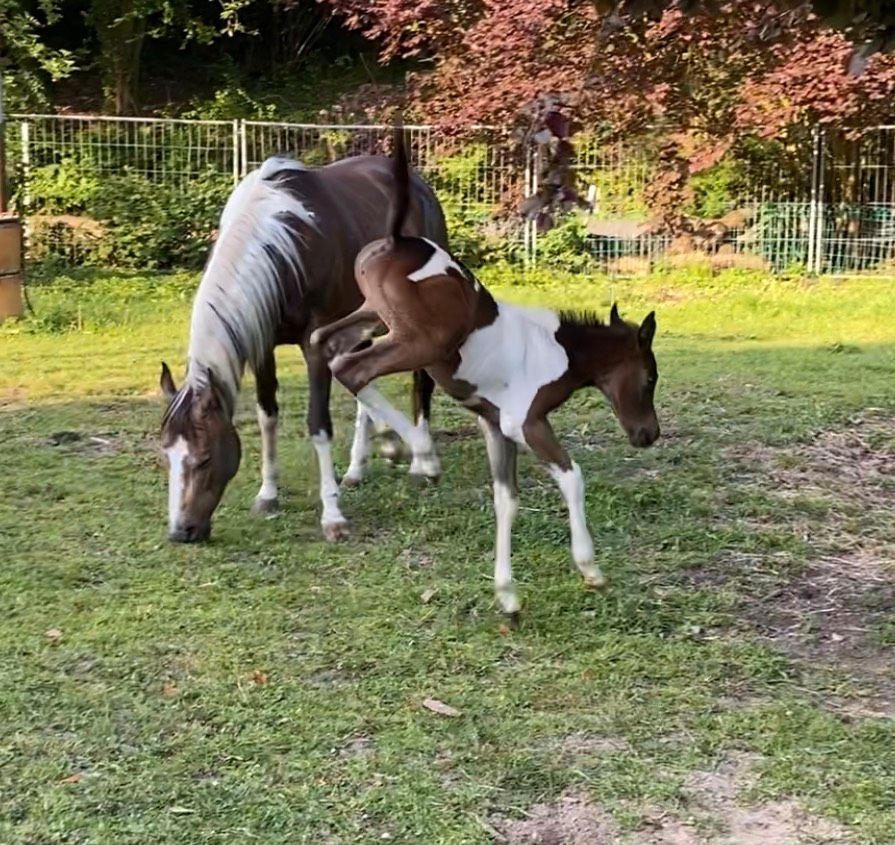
x=260, y=678
x=504, y=630
x=427, y=595
x=53, y=635
x=440, y=707
x=75, y=778
x=169, y=690
x=180, y=811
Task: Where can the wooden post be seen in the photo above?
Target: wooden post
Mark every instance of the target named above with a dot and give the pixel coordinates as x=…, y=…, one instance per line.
x=11, y=252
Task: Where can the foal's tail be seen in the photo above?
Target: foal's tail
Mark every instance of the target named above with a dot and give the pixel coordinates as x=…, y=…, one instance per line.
x=402, y=182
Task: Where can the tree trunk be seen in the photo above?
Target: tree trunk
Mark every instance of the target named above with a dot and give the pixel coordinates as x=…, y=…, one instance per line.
x=121, y=30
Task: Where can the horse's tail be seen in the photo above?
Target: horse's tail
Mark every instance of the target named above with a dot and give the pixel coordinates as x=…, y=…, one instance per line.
x=402, y=181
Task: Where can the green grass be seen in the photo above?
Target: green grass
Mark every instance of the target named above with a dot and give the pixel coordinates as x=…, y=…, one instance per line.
x=153, y=697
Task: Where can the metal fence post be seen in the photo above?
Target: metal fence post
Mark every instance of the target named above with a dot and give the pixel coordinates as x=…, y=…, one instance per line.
x=243, y=150
x=25, y=134
x=815, y=208
x=820, y=214
x=236, y=151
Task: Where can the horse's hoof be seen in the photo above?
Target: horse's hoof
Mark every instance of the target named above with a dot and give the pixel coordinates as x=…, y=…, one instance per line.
x=335, y=531
x=596, y=583
x=514, y=619
x=428, y=468
x=265, y=507
x=351, y=481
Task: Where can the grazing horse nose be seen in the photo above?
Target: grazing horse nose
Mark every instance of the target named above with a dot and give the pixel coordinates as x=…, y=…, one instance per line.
x=189, y=533
x=644, y=436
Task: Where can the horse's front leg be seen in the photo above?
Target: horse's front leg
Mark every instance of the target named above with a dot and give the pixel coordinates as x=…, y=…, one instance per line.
x=335, y=526
x=567, y=474
x=502, y=459
x=360, y=448
x=267, y=500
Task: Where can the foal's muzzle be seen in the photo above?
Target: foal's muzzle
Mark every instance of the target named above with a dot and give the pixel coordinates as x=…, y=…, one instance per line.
x=195, y=533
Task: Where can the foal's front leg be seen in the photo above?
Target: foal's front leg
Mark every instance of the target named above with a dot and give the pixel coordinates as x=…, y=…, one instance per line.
x=267, y=500
x=502, y=459
x=567, y=474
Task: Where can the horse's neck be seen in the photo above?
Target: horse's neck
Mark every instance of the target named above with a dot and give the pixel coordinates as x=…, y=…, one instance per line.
x=591, y=349
x=214, y=349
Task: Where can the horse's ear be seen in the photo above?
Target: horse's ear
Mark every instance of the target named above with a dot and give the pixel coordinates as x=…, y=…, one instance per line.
x=614, y=319
x=166, y=383
x=647, y=330
x=208, y=398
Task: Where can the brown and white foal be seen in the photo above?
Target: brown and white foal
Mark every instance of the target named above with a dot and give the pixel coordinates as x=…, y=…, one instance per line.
x=511, y=365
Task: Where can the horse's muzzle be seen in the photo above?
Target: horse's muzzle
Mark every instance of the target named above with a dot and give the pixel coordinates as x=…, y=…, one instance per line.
x=644, y=436
x=190, y=533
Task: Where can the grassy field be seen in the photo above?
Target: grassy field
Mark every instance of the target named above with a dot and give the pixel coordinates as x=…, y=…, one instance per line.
x=734, y=685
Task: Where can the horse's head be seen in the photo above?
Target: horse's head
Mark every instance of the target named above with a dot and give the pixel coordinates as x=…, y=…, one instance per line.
x=631, y=383
x=201, y=449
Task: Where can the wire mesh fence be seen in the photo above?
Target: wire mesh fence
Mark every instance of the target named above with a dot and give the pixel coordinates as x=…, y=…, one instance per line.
x=148, y=192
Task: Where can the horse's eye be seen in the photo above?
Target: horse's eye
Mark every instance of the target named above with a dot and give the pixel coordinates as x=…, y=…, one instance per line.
x=201, y=464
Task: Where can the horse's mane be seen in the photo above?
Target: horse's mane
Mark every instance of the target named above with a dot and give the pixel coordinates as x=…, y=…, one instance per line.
x=585, y=318
x=239, y=300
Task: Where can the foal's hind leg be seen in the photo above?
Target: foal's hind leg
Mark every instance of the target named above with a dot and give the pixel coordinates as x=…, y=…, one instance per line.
x=356, y=370
x=267, y=500
x=335, y=526
x=567, y=474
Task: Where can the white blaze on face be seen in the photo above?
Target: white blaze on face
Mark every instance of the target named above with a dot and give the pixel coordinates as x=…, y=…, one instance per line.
x=176, y=479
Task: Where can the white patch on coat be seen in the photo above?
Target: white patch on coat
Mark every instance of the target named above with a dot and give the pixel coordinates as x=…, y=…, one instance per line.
x=510, y=360
x=176, y=479
x=437, y=265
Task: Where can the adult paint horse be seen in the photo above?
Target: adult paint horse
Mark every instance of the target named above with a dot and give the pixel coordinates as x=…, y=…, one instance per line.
x=282, y=266
x=512, y=366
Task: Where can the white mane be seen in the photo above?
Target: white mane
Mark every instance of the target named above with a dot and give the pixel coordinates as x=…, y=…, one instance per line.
x=238, y=302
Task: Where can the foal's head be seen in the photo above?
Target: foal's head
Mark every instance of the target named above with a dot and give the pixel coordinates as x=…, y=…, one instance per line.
x=201, y=449
x=629, y=385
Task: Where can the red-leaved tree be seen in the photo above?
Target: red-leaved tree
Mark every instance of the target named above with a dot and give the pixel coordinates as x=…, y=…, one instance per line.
x=704, y=75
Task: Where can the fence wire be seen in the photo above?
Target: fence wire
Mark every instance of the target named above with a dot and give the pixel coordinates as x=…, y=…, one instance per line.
x=147, y=192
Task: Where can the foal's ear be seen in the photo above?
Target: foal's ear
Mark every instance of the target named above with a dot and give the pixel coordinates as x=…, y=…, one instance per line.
x=166, y=382
x=614, y=319
x=647, y=330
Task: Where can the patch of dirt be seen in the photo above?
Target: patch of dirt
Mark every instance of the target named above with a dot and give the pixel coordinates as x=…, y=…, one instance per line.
x=716, y=816
x=100, y=444
x=581, y=748
x=830, y=613
x=571, y=820
x=712, y=813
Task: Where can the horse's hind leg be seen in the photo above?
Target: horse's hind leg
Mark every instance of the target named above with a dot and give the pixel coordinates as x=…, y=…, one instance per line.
x=360, y=448
x=423, y=387
x=267, y=500
x=335, y=526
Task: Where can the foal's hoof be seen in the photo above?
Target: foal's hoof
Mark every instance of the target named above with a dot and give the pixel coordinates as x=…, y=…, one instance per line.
x=315, y=337
x=335, y=531
x=265, y=507
x=514, y=619
x=349, y=482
